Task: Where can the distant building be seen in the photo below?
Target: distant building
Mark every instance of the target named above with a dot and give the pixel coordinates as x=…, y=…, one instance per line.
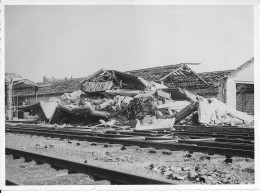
x=52, y=79
x=44, y=93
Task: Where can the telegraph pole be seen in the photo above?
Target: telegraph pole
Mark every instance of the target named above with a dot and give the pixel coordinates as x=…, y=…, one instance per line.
x=9, y=79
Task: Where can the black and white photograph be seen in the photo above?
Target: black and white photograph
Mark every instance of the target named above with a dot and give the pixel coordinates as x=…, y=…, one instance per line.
x=98, y=94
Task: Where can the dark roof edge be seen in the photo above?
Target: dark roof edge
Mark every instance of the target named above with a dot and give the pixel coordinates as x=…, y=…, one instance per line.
x=46, y=93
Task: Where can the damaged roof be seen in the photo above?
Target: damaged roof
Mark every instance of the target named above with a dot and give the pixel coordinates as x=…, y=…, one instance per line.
x=213, y=78
x=55, y=87
x=156, y=73
x=173, y=76
x=119, y=78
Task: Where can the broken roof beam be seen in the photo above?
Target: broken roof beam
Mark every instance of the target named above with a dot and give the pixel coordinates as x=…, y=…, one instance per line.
x=134, y=82
x=179, y=71
x=92, y=75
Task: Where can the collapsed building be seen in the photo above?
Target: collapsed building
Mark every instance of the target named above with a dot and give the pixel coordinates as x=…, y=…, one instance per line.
x=144, y=99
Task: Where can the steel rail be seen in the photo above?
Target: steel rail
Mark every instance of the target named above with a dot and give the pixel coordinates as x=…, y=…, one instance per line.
x=140, y=143
x=204, y=133
x=161, y=137
x=98, y=172
x=234, y=134
x=220, y=144
x=11, y=182
x=190, y=134
x=127, y=134
x=92, y=133
x=215, y=128
x=179, y=131
x=232, y=129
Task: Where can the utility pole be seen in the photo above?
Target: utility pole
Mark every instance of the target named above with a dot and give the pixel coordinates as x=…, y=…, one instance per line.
x=9, y=79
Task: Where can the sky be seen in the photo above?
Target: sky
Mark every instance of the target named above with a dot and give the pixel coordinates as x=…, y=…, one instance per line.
x=77, y=40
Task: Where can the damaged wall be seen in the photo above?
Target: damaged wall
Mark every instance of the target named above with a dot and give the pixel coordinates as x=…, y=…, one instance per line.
x=244, y=74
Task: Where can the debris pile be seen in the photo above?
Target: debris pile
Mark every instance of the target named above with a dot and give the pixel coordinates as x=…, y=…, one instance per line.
x=114, y=98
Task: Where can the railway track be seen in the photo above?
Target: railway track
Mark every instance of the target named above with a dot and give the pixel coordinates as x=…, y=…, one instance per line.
x=37, y=166
x=210, y=142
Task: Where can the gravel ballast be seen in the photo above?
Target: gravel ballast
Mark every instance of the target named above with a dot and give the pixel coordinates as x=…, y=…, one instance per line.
x=179, y=166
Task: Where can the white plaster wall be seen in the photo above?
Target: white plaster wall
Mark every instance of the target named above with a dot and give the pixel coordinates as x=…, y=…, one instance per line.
x=230, y=86
x=245, y=75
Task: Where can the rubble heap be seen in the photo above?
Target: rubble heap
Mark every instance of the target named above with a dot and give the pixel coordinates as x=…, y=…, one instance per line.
x=114, y=98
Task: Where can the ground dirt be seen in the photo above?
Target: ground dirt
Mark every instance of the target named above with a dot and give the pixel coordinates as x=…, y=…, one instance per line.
x=179, y=166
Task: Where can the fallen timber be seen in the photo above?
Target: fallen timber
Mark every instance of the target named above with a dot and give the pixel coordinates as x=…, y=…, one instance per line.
x=116, y=177
x=240, y=150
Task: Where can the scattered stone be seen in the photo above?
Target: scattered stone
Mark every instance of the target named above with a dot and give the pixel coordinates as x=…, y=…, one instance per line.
x=167, y=153
x=151, y=166
x=248, y=160
x=167, y=173
x=152, y=151
x=107, y=153
x=86, y=161
x=120, y=158
x=211, y=180
x=192, y=175
x=123, y=148
x=46, y=146
x=77, y=143
x=69, y=141
x=163, y=169
x=188, y=155
x=226, y=181
x=172, y=168
x=228, y=160
x=177, y=177
x=51, y=146
x=185, y=168
x=204, y=158
x=157, y=169
x=109, y=159
x=202, y=179
x=204, y=171
x=213, y=175
x=198, y=168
